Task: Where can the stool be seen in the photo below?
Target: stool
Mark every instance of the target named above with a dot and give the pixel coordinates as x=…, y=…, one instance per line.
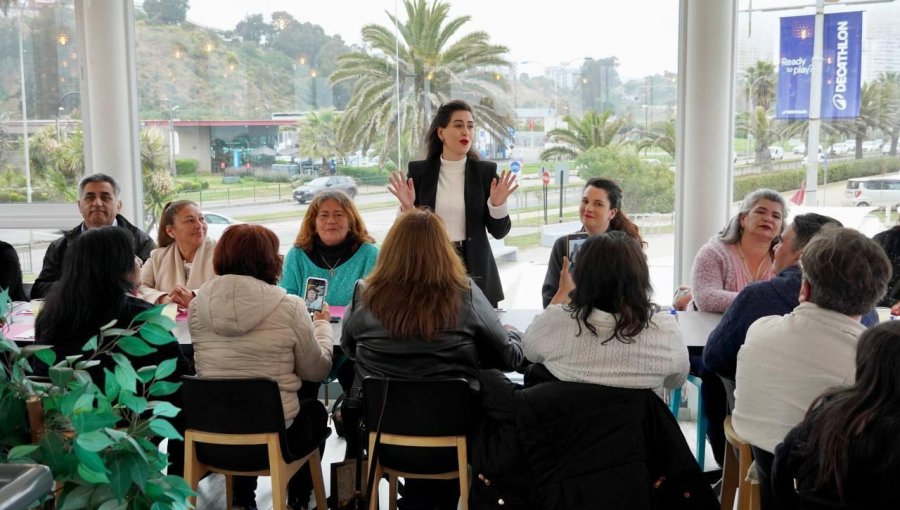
x=738, y=458
x=675, y=403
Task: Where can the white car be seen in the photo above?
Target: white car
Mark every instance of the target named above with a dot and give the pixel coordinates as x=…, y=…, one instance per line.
x=217, y=223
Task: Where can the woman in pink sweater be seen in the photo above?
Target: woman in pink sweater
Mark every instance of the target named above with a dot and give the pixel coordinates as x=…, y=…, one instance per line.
x=740, y=254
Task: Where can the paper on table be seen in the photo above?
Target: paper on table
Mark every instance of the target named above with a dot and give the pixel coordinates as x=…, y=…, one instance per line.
x=25, y=335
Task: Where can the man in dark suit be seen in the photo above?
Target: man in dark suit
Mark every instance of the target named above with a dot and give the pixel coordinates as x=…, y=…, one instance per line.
x=99, y=203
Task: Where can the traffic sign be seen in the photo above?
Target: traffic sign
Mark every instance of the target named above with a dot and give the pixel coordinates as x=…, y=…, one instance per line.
x=515, y=167
x=545, y=176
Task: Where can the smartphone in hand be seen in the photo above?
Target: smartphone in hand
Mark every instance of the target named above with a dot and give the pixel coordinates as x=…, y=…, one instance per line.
x=573, y=246
x=314, y=295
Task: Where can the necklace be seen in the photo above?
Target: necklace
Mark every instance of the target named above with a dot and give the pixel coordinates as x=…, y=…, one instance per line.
x=747, y=266
x=331, y=268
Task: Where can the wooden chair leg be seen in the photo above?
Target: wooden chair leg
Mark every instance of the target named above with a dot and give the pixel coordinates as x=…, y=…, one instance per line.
x=315, y=469
x=463, y=461
x=392, y=492
x=229, y=491
x=729, y=478
x=379, y=472
x=278, y=472
x=743, y=484
x=193, y=470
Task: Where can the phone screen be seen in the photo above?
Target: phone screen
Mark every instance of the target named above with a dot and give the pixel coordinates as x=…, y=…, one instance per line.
x=314, y=294
x=574, y=242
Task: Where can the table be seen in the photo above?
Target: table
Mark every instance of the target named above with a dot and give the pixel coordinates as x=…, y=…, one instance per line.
x=695, y=326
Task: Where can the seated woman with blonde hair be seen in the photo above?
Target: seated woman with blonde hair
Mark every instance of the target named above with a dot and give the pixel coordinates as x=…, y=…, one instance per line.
x=184, y=260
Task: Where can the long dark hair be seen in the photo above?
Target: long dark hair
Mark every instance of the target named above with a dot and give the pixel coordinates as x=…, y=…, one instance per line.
x=91, y=291
x=434, y=147
x=841, y=416
x=612, y=275
x=620, y=221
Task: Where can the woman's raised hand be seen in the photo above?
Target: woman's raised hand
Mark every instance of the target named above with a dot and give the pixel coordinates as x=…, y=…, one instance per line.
x=322, y=315
x=566, y=284
x=503, y=187
x=403, y=189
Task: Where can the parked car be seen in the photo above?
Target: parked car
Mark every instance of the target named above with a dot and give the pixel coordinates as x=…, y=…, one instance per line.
x=799, y=149
x=872, y=191
x=217, y=223
x=776, y=152
x=303, y=194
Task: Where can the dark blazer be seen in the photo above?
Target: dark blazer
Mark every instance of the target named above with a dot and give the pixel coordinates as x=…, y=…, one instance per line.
x=479, y=174
x=53, y=259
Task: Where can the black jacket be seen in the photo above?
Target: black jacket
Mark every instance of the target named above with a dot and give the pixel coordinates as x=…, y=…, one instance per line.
x=477, y=341
x=585, y=446
x=479, y=174
x=872, y=469
x=53, y=259
x=11, y=272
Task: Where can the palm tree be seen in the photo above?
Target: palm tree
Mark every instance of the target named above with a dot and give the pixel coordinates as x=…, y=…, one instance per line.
x=759, y=84
x=889, y=83
x=592, y=130
x=661, y=135
x=431, y=69
x=872, y=114
x=762, y=127
x=317, y=136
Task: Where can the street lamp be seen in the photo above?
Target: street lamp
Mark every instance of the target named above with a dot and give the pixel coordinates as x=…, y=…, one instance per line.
x=172, y=141
x=59, y=107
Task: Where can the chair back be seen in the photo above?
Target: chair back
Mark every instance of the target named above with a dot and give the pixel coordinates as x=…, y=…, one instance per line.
x=234, y=406
x=418, y=407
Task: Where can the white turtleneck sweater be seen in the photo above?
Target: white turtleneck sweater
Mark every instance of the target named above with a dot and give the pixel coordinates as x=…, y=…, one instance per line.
x=450, y=199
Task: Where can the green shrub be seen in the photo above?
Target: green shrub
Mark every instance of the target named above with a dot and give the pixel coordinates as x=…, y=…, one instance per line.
x=11, y=196
x=186, y=185
x=791, y=179
x=366, y=175
x=646, y=188
x=186, y=166
x=270, y=176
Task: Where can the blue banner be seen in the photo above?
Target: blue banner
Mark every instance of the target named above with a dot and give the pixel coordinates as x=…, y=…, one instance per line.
x=841, y=58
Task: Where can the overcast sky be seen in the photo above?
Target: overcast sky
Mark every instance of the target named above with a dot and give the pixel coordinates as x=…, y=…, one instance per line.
x=641, y=33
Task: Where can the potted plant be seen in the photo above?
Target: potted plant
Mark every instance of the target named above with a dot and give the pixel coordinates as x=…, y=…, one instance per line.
x=98, y=442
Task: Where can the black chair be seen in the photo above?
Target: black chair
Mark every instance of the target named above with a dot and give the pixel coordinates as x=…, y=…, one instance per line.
x=415, y=414
x=236, y=427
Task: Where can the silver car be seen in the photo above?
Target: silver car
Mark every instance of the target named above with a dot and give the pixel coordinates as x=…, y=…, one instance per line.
x=304, y=194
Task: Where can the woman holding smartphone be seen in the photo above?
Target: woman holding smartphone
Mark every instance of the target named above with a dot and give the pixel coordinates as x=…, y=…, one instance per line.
x=333, y=245
x=600, y=211
x=466, y=193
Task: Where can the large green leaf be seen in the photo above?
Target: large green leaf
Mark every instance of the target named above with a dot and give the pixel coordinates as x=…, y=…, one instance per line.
x=22, y=451
x=147, y=314
x=164, y=429
x=162, y=321
x=125, y=374
x=165, y=409
x=111, y=385
x=120, y=466
x=76, y=499
x=91, y=459
x=89, y=422
x=135, y=346
x=91, y=345
x=139, y=472
x=84, y=404
x=146, y=374
x=161, y=388
x=133, y=402
x=155, y=334
x=166, y=368
x=93, y=441
x=60, y=376
x=91, y=476
x=47, y=356
x=113, y=504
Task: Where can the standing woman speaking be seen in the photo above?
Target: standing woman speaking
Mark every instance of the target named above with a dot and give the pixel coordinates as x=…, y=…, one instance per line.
x=465, y=192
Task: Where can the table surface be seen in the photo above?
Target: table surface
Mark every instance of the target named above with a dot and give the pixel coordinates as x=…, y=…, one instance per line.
x=695, y=326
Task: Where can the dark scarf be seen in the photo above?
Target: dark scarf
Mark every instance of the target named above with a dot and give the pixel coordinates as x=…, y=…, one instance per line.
x=331, y=257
